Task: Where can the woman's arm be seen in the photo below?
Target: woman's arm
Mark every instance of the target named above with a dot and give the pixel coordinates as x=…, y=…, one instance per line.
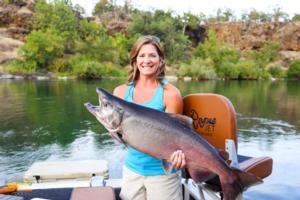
x=174, y=104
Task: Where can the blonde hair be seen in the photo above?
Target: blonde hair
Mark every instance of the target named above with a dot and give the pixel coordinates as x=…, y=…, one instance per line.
x=146, y=39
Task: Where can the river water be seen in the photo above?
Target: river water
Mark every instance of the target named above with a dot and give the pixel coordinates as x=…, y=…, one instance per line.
x=46, y=120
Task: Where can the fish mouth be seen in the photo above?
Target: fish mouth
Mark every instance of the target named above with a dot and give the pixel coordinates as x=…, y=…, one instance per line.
x=96, y=111
x=92, y=108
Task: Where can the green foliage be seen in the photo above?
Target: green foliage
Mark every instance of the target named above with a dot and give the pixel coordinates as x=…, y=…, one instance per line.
x=248, y=70
x=209, y=49
x=58, y=16
x=198, y=69
x=122, y=46
x=229, y=55
x=103, y=6
x=256, y=16
x=21, y=67
x=42, y=47
x=296, y=17
x=94, y=42
x=167, y=28
x=228, y=70
x=59, y=65
x=276, y=71
x=294, y=70
x=222, y=56
x=191, y=20
x=89, y=29
x=268, y=53
x=85, y=67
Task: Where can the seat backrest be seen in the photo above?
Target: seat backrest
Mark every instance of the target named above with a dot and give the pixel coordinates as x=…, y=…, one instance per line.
x=214, y=117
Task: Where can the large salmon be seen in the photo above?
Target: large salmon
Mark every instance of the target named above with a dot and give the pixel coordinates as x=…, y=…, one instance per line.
x=159, y=134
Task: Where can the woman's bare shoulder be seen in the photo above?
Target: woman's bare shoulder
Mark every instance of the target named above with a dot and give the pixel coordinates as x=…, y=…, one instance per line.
x=172, y=91
x=172, y=99
x=120, y=90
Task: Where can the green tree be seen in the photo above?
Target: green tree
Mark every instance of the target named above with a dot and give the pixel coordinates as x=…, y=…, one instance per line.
x=167, y=28
x=294, y=69
x=43, y=47
x=122, y=46
x=279, y=15
x=103, y=6
x=268, y=53
x=58, y=16
x=296, y=17
x=94, y=42
x=191, y=20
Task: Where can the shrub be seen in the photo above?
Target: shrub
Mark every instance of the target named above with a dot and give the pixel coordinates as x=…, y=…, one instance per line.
x=85, y=67
x=276, y=71
x=43, y=47
x=248, y=70
x=57, y=15
x=198, y=69
x=213, y=49
x=228, y=71
x=268, y=53
x=22, y=67
x=95, y=42
x=59, y=65
x=294, y=70
x=229, y=55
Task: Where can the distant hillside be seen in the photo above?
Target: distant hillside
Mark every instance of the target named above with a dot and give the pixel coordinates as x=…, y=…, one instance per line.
x=15, y=24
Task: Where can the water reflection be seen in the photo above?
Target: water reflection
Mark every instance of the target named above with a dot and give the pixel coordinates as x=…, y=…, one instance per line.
x=46, y=120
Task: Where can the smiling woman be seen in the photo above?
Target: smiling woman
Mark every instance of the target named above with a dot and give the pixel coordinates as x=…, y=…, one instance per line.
x=146, y=87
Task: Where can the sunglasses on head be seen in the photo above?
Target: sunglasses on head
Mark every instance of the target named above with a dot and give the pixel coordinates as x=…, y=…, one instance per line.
x=151, y=37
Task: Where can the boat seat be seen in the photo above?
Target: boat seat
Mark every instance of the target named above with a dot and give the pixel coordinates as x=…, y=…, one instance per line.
x=214, y=119
x=47, y=171
x=260, y=166
x=93, y=193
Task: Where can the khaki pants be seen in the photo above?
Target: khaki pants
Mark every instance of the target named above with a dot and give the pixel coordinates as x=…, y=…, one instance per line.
x=137, y=187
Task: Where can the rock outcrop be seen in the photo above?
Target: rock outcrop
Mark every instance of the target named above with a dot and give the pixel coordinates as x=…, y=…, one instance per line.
x=15, y=24
x=246, y=36
x=252, y=36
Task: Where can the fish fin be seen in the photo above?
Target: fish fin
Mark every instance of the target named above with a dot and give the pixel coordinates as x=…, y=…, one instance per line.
x=240, y=181
x=247, y=179
x=118, y=137
x=183, y=119
x=167, y=166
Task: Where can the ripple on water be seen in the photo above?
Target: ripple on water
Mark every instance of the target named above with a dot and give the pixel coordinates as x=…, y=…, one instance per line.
x=264, y=128
x=8, y=133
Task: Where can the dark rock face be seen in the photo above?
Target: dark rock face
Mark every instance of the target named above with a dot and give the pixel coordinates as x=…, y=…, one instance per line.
x=196, y=35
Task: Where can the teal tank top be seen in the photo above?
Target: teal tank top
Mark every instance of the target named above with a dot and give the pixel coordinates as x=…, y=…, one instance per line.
x=135, y=160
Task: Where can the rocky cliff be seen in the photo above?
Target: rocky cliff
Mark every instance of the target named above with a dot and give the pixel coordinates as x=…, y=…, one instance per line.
x=14, y=26
x=249, y=36
x=254, y=35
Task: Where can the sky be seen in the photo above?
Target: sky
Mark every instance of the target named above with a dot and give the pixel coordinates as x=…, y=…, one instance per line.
x=208, y=7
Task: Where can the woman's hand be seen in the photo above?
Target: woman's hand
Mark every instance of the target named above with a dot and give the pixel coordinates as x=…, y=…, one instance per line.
x=178, y=160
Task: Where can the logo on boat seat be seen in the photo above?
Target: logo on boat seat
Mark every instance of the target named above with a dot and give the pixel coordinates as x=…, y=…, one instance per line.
x=205, y=124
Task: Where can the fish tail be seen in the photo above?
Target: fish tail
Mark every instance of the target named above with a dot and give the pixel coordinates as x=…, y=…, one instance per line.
x=238, y=182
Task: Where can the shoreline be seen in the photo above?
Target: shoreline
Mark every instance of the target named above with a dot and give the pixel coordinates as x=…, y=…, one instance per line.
x=171, y=78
